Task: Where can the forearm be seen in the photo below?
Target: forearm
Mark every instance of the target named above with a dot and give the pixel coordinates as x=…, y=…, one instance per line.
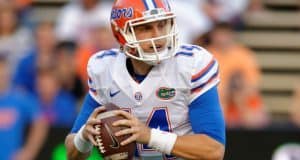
x=199, y=147
x=72, y=152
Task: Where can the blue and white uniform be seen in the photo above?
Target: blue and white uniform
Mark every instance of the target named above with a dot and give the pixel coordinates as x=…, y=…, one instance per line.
x=179, y=95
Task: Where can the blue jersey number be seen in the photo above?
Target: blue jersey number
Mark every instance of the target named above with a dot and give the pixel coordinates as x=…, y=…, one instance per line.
x=159, y=118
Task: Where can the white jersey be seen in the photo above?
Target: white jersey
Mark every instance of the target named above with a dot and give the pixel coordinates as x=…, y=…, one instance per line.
x=161, y=100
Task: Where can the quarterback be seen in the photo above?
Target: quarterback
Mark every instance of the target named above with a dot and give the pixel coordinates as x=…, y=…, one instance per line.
x=167, y=91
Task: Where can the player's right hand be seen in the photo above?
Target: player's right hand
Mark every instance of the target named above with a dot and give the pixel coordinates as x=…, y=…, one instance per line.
x=138, y=130
x=89, y=131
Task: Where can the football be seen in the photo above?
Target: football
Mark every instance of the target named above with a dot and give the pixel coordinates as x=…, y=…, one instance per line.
x=108, y=144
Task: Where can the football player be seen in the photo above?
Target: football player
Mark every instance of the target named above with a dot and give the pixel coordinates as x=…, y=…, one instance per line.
x=168, y=91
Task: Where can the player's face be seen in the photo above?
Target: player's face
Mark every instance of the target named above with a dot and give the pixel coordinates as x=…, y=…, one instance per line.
x=153, y=30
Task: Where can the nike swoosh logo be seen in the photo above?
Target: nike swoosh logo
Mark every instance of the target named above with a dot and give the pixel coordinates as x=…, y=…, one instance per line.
x=114, y=93
x=115, y=144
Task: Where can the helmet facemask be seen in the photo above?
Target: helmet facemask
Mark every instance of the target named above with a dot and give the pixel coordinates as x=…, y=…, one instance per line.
x=157, y=48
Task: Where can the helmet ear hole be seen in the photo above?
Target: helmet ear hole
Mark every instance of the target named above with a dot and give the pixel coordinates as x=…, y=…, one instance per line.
x=132, y=51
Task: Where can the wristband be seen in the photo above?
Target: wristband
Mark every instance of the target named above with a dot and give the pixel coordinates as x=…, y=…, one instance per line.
x=162, y=141
x=80, y=143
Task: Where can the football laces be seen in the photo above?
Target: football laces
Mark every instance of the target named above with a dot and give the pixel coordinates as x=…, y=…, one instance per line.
x=99, y=140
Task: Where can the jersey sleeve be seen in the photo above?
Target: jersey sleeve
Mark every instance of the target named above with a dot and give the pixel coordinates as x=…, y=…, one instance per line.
x=207, y=108
x=97, y=71
x=205, y=74
x=88, y=106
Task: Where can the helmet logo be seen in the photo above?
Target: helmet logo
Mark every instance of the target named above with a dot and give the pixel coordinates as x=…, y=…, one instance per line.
x=122, y=13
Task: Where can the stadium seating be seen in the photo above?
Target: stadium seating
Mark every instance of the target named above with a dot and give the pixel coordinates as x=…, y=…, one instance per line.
x=282, y=3
x=280, y=60
x=273, y=19
x=274, y=34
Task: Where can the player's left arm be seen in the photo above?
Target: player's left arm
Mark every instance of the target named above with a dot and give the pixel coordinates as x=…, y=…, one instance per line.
x=205, y=114
x=208, y=142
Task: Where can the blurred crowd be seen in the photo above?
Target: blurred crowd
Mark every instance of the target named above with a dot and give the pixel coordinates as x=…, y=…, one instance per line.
x=43, y=65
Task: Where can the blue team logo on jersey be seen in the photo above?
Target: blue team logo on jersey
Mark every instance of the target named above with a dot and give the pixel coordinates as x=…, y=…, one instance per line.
x=122, y=13
x=138, y=96
x=165, y=93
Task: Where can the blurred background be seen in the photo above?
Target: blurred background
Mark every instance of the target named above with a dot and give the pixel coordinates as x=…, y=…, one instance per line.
x=45, y=46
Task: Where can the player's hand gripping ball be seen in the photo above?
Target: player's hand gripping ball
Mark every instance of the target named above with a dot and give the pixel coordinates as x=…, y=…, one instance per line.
x=109, y=144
